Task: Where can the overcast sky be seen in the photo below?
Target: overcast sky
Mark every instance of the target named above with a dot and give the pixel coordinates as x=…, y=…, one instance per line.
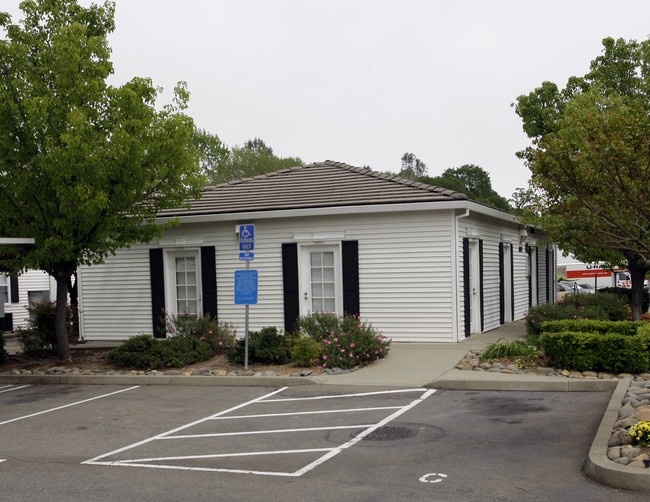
x=364, y=81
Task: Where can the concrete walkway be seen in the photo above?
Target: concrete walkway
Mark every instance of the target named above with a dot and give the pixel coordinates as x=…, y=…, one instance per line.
x=421, y=364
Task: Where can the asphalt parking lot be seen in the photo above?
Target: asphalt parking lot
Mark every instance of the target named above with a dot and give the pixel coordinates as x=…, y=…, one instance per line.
x=106, y=443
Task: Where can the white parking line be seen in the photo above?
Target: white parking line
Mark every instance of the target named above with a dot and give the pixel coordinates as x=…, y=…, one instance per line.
x=12, y=388
x=68, y=405
x=319, y=412
x=328, y=452
x=183, y=427
x=363, y=434
x=273, y=431
x=337, y=396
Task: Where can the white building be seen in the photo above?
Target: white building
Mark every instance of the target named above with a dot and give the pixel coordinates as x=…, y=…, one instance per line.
x=420, y=263
x=18, y=292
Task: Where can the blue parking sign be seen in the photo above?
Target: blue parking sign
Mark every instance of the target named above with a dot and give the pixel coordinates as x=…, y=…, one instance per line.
x=246, y=237
x=245, y=287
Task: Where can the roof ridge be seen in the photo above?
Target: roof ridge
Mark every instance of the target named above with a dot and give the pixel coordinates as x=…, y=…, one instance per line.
x=390, y=177
x=398, y=179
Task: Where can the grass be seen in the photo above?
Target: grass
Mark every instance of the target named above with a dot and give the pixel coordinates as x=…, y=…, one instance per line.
x=508, y=349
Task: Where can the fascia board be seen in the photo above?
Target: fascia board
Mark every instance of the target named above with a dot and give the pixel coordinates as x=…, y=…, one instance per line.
x=339, y=210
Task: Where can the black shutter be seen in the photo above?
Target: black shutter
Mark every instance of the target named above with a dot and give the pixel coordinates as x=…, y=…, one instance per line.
x=209, y=281
x=466, y=292
x=157, y=274
x=7, y=322
x=512, y=284
x=548, y=277
x=502, y=286
x=480, y=271
x=13, y=285
x=290, y=285
x=350, y=252
x=537, y=274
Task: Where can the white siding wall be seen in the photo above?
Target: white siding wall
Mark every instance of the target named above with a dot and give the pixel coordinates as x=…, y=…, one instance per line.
x=115, y=298
x=404, y=274
x=410, y=287
x=31, y=280
x=493, y=233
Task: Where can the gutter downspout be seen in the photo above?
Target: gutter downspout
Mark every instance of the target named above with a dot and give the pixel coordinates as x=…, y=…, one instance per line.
x=454, y=267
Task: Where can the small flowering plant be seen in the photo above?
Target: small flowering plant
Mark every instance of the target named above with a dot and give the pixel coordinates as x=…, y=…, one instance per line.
x=220, y=335
x=344, y=341
x=640, y=433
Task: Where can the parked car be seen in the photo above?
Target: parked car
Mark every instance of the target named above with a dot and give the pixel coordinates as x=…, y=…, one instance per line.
x=586, y=288
x=563, y=289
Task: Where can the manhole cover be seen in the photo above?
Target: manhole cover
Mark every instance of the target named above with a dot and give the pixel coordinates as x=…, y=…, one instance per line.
x=387, y=433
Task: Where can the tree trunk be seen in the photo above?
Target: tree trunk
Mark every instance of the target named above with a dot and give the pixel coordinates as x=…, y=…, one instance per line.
x=637, y=272
x=60, y=322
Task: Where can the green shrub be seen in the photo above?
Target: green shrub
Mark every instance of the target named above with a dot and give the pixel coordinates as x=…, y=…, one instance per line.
x=304, y=350
x=39, y=338
x=344, y=341
x=508, y=349
x=627, y=328
x=600, y=306
x=626, y=295
x=220, y=335
x=264, y=346
x=608, y=306
x=147, y=352
x=611, y=352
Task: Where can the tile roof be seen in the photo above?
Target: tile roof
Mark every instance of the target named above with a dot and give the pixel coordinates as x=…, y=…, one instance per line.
x=321, y=184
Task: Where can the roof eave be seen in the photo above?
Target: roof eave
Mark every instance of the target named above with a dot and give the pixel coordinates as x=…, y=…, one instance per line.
x=338, y=210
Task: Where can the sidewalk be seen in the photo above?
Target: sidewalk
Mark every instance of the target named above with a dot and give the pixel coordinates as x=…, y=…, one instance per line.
x=432, y=364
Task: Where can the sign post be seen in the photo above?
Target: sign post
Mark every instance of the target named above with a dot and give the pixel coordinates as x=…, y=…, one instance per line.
x=246, y=280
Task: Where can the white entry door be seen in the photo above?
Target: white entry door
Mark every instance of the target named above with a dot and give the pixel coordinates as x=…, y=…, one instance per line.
x=507, y=282
x=475, y=287
x=320, y=279
x=183, y=282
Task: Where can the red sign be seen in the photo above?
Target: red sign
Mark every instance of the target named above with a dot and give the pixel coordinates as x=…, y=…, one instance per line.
x=594, y=272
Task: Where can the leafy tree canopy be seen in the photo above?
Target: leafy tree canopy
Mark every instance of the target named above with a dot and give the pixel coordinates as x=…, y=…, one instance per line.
x=471, y=180
x=412, y=167
x=84, y=166
x=253, y=158
x=590, y=159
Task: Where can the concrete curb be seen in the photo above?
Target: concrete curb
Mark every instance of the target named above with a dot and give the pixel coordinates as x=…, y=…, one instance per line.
x=466, y=380
x=243, y=381
x=598, y=467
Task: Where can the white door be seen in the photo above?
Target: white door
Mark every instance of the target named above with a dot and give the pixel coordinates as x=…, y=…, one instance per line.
x=182, y=282
x=320, y=279
x=474, y=288
x=533, y=277
x=507, y=283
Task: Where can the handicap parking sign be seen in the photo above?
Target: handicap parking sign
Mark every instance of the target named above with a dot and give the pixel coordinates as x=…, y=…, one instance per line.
x=246, y=237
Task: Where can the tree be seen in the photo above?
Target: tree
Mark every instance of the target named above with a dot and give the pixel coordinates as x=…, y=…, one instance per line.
x=412, y=167
x=471, y=180
x=590, y=161
x=212, y=153
x=84, y=166
x=254, y=158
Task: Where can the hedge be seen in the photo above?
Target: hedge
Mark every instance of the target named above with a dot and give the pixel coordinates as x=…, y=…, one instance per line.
x=628, y=328
x=610, y=352
x=626, y=294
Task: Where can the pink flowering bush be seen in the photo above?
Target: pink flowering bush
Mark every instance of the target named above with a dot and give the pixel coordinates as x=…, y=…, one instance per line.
x=343, y=341
x=220, y=335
